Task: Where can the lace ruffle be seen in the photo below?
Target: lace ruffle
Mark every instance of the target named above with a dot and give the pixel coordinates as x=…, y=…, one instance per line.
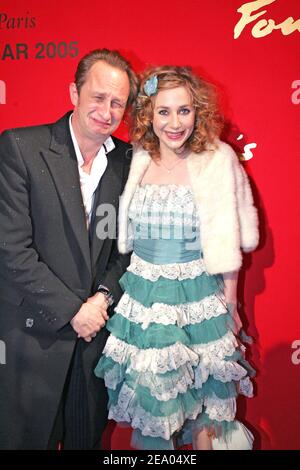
x=224, y=371
x=220, y=410
x=178, y=271
x=164, y=388
x=156, y=426
x=181, y=314
x=246, y=387
x=159, y=361
x=218, y=349
x=127, y=410
x=163, y=198
x=168, y=219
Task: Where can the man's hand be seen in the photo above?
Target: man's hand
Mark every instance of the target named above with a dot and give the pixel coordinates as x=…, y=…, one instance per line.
x=91, y=317
x=100, y=301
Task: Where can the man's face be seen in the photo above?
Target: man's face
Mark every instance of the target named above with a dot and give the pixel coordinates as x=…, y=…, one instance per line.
x=100, y=105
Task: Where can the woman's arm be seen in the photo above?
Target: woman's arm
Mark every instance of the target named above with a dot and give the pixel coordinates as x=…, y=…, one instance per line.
x=230, y=291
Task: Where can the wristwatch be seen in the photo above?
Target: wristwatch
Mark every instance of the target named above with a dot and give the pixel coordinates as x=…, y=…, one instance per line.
x=104, y=290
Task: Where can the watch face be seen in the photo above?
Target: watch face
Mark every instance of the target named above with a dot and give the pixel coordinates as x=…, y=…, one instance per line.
x=104, y=290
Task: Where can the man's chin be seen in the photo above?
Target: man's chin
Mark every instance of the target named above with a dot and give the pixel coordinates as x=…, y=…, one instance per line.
x=103, y=133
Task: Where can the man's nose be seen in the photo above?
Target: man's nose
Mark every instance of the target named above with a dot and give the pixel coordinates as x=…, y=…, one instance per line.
x=105, y=110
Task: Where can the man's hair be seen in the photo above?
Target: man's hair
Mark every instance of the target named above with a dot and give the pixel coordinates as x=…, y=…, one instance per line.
x=113, y=58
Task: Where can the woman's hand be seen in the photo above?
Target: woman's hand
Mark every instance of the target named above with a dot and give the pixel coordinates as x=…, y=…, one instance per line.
x=236, y=321
x=230, y=292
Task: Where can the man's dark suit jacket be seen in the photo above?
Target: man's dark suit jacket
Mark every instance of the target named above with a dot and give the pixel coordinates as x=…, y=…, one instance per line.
x=48, y=267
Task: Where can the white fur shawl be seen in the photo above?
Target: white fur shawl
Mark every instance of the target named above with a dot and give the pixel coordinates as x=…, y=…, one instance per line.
x=228, y=219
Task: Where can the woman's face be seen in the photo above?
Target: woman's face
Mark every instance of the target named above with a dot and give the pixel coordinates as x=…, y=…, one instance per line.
x=173, y=118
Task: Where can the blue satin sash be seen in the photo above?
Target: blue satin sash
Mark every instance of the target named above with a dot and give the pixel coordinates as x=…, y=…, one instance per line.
x=167, y=251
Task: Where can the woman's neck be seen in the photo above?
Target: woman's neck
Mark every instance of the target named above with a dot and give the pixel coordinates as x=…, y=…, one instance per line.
x=169, y=155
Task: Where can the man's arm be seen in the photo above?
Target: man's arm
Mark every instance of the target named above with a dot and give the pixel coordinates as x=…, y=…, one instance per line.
x=117, y=262
x=52, y=303
x=115, y=269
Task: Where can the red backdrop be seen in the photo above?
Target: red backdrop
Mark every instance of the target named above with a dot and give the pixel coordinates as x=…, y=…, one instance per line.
x=258, y=75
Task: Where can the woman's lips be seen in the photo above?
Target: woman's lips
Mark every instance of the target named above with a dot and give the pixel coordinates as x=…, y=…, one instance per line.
x=175, y=135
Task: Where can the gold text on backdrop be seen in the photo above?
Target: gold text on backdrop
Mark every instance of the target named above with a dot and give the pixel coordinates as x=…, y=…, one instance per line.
x=263, y=27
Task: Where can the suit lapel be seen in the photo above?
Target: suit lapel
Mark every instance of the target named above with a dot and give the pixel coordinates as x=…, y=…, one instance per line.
x=106, y=202
x=62, y=164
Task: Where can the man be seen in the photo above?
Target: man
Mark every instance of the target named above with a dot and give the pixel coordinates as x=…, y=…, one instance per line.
x=58, y=272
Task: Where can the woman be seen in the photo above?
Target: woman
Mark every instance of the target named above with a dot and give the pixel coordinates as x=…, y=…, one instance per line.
x=173, y=364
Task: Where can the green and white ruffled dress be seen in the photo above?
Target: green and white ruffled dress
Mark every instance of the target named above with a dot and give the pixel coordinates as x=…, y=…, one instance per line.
x=171, y=363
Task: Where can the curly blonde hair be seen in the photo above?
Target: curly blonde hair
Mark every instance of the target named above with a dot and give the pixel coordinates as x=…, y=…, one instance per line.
x=208, y=121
